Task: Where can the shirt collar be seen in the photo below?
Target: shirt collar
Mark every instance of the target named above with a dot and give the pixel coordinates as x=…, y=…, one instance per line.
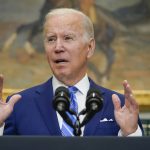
x=83, y=85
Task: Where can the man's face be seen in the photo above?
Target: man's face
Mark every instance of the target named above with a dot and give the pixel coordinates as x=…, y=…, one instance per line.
x=67, y=49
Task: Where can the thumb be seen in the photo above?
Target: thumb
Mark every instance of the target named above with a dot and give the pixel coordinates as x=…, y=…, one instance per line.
x=116, y=101
x=14, y=99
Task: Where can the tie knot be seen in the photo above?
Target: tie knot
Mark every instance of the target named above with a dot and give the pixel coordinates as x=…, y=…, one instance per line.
x=73, y=89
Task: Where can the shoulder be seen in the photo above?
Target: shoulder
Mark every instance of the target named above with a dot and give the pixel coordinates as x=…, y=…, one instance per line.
x=38, y=88
x=106, y=92
x=33, y=91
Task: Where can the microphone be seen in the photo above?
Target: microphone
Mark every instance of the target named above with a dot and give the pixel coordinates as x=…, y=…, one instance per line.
x=61, y=103
x=94, y=103
x=94, y=100
x=61, y=100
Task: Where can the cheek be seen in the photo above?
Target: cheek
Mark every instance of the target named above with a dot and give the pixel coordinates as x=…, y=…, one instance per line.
x=83, y=54
x=48, y=51
x=47, y=48
x=79, y=59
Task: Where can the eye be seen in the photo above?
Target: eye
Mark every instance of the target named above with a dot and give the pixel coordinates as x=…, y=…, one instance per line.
x=68, y=38
x=51, y=39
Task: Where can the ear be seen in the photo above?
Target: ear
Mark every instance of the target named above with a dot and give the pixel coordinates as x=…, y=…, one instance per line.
x=91, y=47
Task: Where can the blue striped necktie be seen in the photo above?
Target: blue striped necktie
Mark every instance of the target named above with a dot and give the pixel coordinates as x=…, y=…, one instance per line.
x=66, y=129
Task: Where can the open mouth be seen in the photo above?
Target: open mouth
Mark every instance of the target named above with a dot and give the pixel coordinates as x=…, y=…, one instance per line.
x=60, y=61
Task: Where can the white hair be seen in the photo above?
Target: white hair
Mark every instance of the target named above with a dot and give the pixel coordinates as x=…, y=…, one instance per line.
x=87, y=23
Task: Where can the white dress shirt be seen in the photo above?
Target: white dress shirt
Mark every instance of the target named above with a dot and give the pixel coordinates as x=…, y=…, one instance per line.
x=83, y=87
x=1, y=130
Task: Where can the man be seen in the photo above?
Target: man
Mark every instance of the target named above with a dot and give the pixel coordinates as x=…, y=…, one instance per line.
x=69, y=43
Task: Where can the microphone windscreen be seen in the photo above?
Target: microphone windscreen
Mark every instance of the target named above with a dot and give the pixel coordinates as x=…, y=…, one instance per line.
x=94, y=100
x=61, y=100
x=62, y=89
x=92, y=90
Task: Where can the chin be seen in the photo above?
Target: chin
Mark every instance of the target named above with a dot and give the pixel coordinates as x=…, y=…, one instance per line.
x=62, y=75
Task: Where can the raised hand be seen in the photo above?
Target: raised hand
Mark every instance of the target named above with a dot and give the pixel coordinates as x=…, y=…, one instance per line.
x=126, y=116
x=6, y=108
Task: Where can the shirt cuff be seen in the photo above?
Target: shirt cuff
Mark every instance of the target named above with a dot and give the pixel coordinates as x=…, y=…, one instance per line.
x=2, y=129
x=138, y=132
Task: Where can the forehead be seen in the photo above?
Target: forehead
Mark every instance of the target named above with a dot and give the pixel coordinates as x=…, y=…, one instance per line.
x=64, y=22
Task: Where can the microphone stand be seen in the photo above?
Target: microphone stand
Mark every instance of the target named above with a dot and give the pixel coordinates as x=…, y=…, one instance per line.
x=61, y=104
x=88, y=116
x=77, y=125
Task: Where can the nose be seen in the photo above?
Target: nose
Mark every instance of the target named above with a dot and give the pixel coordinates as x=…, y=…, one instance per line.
x=59, y=46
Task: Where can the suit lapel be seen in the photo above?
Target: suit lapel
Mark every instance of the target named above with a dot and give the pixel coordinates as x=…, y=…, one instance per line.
x=90, y=127
x=44, y=100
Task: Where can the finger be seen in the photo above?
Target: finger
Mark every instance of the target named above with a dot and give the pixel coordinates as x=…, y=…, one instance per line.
x=127, y=93
x=15, y=98
x=129, y=97
x=116, y=102
x=1, y=85
x=127, y=88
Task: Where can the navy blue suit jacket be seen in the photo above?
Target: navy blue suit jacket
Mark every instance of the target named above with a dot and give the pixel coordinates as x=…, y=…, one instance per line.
x=35, y=115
